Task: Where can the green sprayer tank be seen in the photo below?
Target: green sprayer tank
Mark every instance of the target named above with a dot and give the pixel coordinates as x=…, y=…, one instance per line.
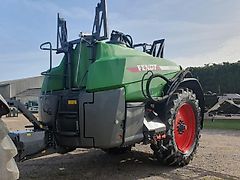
x=114, y=66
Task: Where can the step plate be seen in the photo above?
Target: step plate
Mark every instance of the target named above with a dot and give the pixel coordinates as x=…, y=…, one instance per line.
x=154, y=126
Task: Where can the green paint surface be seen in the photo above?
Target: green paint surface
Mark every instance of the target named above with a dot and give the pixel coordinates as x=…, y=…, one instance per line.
x=222, y=124
x=115, y=66
x=55, y=78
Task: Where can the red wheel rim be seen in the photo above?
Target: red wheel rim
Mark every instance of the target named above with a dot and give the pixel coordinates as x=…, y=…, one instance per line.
x=185, y=128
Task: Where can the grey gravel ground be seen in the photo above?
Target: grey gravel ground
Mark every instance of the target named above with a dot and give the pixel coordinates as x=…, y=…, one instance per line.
x=218, y=157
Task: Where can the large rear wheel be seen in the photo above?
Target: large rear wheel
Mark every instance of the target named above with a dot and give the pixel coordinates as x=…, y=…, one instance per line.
x=183, y=122
x=8, y=167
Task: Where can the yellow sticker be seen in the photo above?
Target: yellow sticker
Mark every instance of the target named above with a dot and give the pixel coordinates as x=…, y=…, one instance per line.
x=29, y=134
x=72, y=102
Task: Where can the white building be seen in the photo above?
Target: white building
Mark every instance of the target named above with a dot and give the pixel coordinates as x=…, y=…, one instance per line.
x=27, y=89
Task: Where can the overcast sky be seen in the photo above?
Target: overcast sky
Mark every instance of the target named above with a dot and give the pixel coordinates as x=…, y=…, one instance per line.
x=196, y=32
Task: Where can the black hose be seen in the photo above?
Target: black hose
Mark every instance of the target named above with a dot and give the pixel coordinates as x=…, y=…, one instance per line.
x=172, y=84
x=128, y=40
x=177, y=80
x=148, y=95
x=122, y=38
x=143, y=92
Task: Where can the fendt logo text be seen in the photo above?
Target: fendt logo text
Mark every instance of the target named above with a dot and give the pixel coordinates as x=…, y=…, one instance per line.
x=152, y=67
x=144, y=67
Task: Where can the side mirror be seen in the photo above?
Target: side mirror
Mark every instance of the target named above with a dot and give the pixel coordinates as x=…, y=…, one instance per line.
x=4, y=109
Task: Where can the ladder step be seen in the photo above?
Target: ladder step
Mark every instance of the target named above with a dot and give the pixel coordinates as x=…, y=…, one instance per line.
x=64, y=133
x=67, y=112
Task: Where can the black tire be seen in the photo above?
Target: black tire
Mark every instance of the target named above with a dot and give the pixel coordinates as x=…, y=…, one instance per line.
x=8, y=167
x=118, y=150
x=178, y=152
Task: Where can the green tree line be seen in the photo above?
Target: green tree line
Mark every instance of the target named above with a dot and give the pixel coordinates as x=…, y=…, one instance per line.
x=219, y=78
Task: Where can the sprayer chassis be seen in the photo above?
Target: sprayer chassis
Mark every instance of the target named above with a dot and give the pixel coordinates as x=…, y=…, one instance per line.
x=107, y=94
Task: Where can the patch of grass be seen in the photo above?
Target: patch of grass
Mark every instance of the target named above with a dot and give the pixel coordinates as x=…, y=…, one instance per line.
x=222, y=124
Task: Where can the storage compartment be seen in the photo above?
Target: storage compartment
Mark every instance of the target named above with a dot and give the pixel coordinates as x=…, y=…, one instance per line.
x=134, y=123
x=104, y=118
